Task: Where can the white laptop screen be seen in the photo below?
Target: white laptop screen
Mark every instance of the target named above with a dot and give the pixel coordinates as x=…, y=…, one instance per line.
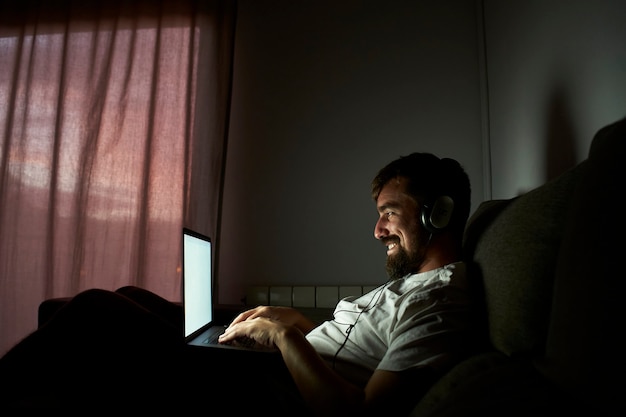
x=197, y=281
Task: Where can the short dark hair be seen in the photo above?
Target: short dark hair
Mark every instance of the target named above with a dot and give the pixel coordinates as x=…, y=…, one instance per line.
x=428, y=178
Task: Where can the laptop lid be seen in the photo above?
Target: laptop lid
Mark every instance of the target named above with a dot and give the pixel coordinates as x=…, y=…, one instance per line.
x=197, y=282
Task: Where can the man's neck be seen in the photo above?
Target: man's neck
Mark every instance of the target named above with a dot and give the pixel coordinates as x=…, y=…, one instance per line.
x=442, y=251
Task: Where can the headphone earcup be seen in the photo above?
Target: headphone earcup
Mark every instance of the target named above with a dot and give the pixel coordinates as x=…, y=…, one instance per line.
x=436, y=217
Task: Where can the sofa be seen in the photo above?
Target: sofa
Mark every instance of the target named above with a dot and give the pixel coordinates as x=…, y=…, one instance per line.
x=548, y=266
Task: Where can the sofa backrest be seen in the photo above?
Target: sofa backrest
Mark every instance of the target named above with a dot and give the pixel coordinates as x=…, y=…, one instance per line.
x=585, y=354
x=514, y=245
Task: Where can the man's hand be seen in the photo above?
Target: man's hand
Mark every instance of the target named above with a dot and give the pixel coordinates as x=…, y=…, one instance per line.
x=262, y=330
x=286, y=315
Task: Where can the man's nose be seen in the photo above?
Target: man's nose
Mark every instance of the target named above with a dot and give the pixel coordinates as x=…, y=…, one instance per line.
x=379, y=230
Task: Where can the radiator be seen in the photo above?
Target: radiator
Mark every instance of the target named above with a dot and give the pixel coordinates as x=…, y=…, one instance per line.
x=305, y=296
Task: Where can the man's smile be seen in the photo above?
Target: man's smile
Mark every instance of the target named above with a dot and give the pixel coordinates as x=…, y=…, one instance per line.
x=391, y=247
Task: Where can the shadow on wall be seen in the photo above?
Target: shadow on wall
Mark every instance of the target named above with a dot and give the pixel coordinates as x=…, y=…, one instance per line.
x=560, y=137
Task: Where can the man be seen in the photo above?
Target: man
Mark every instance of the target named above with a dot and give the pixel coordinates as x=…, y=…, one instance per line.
x=380, y=353
x=386, y=348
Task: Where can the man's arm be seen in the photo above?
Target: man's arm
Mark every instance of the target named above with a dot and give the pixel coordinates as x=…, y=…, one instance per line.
x=396, y=393
x=324, y=391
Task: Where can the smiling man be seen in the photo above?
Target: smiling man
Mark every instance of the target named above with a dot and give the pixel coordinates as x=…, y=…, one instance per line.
x=383, y=350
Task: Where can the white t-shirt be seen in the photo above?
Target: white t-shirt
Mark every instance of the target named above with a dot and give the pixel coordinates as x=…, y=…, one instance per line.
x=415, y=321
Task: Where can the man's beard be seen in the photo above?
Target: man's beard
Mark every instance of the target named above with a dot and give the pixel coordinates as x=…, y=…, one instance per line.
x=404, y=263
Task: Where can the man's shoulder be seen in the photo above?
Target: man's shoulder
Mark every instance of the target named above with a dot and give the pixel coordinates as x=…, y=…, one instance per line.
x=435, y=283
x=442, y=274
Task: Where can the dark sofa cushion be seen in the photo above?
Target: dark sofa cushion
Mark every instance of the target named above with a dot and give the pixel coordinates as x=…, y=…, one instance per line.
x=493, y=384
x=48, y=307
x=514, y=244
x=586, y=345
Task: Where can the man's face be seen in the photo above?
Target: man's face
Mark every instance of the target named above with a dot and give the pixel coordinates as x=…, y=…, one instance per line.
x=398, y=229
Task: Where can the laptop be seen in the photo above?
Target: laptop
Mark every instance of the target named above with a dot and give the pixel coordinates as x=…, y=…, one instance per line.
x=200, y=328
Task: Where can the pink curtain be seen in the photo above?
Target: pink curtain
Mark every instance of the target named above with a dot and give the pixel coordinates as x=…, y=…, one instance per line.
x=113, y=119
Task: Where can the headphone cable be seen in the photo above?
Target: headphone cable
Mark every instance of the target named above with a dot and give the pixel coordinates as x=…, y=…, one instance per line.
x=351, y=326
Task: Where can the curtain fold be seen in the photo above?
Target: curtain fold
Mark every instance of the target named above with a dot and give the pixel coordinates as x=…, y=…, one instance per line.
x=113, y=119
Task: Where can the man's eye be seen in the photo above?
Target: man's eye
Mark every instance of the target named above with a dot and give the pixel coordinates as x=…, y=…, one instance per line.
x=389, y=214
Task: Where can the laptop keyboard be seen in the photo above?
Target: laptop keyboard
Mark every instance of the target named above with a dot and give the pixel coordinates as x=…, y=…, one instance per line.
x=213, y=337
x=245, y=342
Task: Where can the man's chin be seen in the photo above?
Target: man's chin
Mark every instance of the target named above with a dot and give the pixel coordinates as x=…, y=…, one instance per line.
x=396, y=271
x=399, y=266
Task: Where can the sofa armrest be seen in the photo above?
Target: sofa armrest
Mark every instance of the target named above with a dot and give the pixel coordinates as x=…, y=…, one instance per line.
x=48, y=307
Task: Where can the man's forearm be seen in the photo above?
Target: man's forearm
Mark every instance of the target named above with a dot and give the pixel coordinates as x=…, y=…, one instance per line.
x=325, y=392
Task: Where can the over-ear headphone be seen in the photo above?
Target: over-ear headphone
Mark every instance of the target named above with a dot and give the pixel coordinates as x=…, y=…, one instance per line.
x=435, y=216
